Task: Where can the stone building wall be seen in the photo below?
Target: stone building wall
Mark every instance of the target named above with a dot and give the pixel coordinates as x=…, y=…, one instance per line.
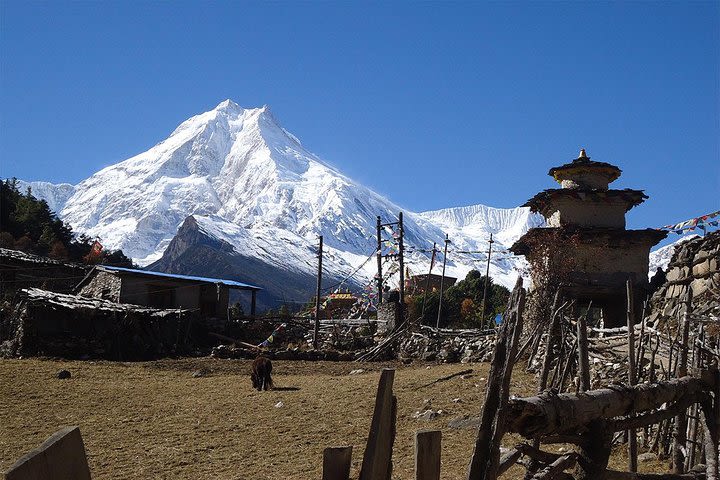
x=572, y=212
x=694, y=266
x=46, y=323
x=20, y=270
x=102, y=285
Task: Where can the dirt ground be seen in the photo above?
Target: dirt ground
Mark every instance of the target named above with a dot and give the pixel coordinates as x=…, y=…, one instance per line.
x=155, y=420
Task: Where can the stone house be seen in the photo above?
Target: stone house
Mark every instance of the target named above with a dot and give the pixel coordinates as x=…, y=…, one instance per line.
x=20, y=270
x=209, y=297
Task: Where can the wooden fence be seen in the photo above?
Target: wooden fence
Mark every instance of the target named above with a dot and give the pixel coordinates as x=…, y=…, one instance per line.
x=674, y=411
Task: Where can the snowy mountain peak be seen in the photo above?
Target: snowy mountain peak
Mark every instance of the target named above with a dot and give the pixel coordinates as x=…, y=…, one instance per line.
x=228, y=106
x=247, y=180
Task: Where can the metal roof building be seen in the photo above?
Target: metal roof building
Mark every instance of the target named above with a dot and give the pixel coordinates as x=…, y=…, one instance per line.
x=210, y=296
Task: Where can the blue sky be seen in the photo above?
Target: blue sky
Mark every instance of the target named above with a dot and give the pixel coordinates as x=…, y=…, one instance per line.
x=433, y=104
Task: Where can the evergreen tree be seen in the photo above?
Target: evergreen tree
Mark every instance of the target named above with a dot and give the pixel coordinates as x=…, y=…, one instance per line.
x=462, y=303
x=28, y=224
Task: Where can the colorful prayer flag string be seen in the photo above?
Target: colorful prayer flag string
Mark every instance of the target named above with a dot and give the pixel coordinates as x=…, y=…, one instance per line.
x=698, y=222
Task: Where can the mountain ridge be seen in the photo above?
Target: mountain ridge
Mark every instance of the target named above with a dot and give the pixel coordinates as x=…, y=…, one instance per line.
x=246, y=179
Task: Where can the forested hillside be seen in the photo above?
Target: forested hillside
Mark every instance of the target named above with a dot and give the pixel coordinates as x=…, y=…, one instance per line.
x=28, y=224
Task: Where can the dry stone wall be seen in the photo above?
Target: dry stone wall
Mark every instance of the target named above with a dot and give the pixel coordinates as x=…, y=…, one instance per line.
x=694, y=267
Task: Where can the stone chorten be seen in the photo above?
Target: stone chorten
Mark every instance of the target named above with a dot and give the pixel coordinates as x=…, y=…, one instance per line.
x=585, y=247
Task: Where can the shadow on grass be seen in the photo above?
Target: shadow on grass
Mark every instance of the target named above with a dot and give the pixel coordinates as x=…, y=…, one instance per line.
x=286, y=389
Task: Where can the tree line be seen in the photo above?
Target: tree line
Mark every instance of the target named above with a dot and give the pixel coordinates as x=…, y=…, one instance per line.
x=27, y=224
x=461, y=303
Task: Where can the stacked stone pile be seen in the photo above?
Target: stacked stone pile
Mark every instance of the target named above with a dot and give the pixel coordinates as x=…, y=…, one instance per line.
x=230, y=351
x=695, y=267
x=447, y=349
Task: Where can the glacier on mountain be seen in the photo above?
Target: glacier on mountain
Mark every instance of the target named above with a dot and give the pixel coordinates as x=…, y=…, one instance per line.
x=55, y=194
x=249, y=181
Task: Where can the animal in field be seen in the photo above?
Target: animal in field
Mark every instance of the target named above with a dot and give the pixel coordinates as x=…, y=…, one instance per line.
x=260, y=376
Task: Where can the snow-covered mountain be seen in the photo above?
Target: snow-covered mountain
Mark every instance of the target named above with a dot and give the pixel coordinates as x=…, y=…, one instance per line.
x=56, y=195
x=249, y=183
x=661, y=257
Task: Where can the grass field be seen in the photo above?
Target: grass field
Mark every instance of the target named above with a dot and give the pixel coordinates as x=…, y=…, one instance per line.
x=155, y=420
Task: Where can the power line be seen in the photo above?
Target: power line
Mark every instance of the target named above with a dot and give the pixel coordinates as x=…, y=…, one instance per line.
x=352, y=273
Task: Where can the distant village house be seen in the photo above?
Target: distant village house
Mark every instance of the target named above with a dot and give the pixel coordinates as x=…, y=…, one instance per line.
x=417, y=284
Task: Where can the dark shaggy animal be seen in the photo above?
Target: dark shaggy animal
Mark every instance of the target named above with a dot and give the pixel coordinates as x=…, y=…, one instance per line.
x=260, y=376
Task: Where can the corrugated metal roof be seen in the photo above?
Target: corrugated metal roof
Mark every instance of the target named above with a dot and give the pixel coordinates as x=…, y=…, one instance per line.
x=229, y=283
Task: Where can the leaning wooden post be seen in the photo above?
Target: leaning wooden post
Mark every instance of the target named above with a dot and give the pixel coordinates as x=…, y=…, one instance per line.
x=632, y=437
x=377, y=461
x=336, y=463
x=710, y=437
x=485, y=460
x=680, y=430
x=710, y=421
x=552, y=329
x=427, y=454
x=583, y=357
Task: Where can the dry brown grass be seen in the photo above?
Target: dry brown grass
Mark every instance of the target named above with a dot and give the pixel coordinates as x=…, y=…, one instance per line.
x=154, y=420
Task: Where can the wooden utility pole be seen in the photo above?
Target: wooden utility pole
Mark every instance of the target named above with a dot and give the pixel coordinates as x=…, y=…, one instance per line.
x=442, y=282
x=379, y=260
x=401, y=260
x=317, y=296
x=487, y=279
x=427, y=280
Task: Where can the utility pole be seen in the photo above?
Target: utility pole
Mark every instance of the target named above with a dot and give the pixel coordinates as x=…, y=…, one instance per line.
x=379, y=260
x=427, y=282
x=487, y=279
x=442, y=282
x=317, y=296
x=401, y=260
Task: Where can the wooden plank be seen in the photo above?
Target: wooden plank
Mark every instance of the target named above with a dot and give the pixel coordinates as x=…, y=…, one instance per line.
x=549, y=413
x=508, y=460
x=583, y=357
x=336, y=463
x=427, y=454
x=632, y=437
x=615, y=475
x=445, y=378
x=377, y=461
x=60, y=457
x=557, y=467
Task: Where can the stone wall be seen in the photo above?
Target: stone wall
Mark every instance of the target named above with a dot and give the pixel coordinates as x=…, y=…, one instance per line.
x=389, y=314
x=70, y=326
x=20, y=270
x=694, y=266
x=102, y=285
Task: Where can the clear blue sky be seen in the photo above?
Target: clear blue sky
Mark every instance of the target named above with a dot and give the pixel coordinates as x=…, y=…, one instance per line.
x=431, y=104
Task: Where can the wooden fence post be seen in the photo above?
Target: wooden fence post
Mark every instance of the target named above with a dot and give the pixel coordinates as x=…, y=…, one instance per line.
x=632, y=435
x=427, y=454
x=377, y=461
x=60, y=457
x=336, y=463
x=680, y=428
x=485, y=460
